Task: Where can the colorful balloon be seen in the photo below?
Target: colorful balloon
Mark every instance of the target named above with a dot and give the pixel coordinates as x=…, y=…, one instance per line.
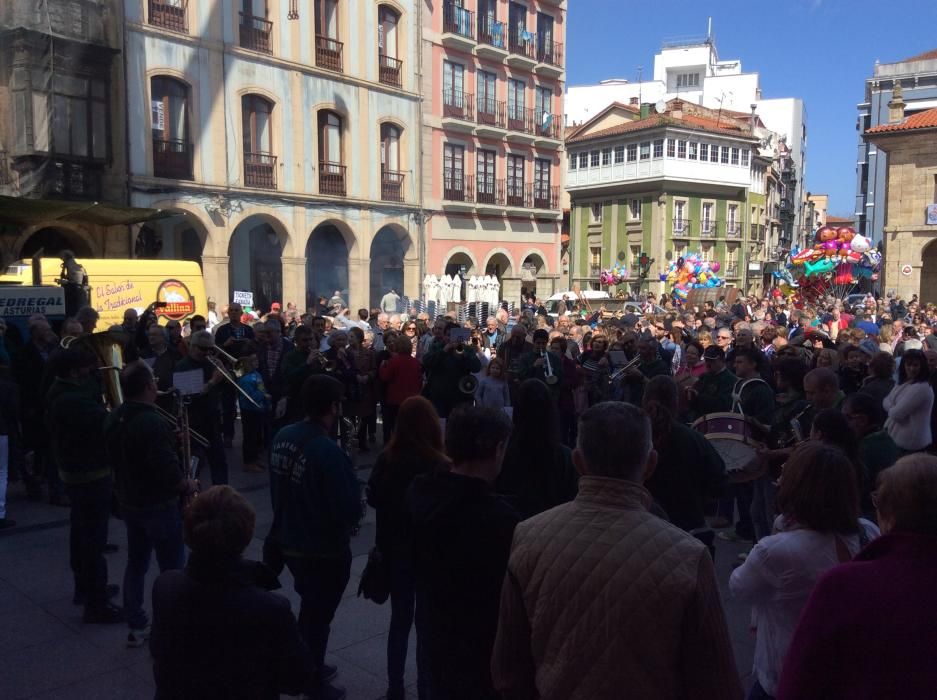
x=860, y=244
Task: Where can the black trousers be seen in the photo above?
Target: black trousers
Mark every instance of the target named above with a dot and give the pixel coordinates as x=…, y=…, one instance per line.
x=91, y=510
x=229, y=407
x=389, y=416
x=320, y=582
x=254, y=428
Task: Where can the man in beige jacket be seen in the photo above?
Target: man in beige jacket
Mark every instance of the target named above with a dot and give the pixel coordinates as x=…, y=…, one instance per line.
x=604, y=600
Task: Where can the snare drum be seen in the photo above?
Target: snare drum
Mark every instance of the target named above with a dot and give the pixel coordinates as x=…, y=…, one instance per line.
x=734, y=439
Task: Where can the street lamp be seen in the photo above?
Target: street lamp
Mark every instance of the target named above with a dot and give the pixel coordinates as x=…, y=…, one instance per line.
x=644, y=264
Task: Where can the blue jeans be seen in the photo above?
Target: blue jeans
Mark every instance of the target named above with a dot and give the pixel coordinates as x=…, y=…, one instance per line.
x=90, y=512
x=402, y=611
x=149, y=530
x=320, y=583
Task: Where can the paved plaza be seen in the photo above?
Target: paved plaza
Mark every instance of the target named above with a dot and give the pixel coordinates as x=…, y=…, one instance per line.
x=46, y=652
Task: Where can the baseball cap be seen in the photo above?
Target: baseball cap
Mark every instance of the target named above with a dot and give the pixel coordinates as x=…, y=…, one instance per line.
x=714, y=352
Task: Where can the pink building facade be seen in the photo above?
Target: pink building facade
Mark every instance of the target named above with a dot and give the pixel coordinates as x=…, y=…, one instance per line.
x=494, y=75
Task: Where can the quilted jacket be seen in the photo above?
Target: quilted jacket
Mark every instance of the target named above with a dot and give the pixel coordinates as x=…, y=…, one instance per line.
x=604, y=600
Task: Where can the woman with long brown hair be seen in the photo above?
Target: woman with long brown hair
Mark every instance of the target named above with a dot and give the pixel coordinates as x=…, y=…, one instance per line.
x=416, y=447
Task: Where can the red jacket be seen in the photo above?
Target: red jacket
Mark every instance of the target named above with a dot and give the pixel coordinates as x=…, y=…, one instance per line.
x=402, y=376
x=868, y=630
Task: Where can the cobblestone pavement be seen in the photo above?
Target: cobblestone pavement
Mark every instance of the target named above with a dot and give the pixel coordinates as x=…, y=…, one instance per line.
x=48, y=653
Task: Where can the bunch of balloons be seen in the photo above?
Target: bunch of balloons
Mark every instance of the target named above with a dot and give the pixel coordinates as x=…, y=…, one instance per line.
x=838, y=258
x=615, y=275
x=691, y=272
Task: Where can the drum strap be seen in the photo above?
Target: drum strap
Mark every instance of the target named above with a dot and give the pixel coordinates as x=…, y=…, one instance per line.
x=737, y=393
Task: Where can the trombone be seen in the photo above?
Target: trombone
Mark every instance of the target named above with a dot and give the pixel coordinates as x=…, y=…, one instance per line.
x=624, y=368
x=230, y=376
x=173, y=421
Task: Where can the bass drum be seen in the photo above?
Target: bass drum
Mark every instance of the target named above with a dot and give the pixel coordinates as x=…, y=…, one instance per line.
x=733, y=437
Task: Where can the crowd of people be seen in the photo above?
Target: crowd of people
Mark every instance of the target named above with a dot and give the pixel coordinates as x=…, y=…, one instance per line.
x=541, y=485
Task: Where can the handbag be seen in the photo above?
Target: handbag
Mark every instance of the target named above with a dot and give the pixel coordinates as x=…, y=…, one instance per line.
x=375, y=579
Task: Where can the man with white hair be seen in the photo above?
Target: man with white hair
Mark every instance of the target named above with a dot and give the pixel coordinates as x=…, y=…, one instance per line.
x=584, y=571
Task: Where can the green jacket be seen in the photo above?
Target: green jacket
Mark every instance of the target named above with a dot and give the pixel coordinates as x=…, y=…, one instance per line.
x=75, y=419
x=141, y=449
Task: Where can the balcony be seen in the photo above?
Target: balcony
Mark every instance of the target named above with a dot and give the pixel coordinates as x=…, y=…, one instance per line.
x=544, y=196
x=392, y=185
x=491, y=116
x=260, y=170
x=255, y=33
x=757, y=232
x=733, y=230
x=332, y=178
x=492, y=38
x=329, y=53
x=458, y=190
x=518, y=195
x=172, y=158
x=390, y=70
x=708, y=228
x=732, y=270
x=521, y=125
x=458, y=27
x=549, y=132
x=170, y=14
x=550, y=59
x=522, y=48
x=489, y=192
x=595, y=270
x=458, y=110
x=681, y=228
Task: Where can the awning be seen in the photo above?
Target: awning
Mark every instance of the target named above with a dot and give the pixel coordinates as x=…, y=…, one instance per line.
x=25, y=212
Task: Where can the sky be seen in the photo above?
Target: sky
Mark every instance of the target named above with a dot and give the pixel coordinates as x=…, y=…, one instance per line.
x=819, y=50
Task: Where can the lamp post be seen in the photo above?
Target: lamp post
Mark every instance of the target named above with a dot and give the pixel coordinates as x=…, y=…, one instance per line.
x=644, y=265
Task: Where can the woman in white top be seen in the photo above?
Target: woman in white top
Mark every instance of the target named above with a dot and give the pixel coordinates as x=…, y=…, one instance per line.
x=819, y=527
x=909, y=404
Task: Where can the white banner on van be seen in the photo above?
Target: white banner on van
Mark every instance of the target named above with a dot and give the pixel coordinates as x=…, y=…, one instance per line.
x=16, y=300
x=244, y=298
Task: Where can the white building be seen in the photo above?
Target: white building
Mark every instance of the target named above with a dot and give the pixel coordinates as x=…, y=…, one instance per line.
x=692, y=71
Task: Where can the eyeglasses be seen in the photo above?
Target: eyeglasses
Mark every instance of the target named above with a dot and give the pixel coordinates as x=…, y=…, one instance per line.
x=723, y=337
x=411, y=328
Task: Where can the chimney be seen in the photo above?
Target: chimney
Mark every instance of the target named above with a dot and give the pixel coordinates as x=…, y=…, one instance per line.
x=676, y=109
x=645, y=110
x=896, y=105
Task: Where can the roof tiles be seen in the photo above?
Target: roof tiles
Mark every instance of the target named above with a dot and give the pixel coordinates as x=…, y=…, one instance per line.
x=922, y=120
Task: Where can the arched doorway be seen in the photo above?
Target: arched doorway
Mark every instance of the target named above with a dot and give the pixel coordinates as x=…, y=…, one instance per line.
x=51, y=242
x=530, y=270
x=176, y=237
x=326, y=264
x=255, y=264
x=928, y=293
x=461, y=265
x=387, y=253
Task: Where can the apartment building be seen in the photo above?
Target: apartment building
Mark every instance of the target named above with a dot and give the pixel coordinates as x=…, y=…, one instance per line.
x=284, y=137
x=493, y=80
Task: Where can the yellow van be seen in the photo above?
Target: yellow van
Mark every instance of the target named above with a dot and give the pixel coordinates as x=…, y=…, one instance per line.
x=117, y=285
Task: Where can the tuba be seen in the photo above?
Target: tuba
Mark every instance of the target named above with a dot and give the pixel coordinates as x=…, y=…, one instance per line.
x=110, y=353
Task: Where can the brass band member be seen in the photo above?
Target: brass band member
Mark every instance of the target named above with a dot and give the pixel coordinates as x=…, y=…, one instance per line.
x=205, y=410
x=150, y=482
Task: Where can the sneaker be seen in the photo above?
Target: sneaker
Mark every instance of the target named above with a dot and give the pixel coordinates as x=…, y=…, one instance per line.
x=137, y=637
x=327, y=672
x=6, y=523
x=107, y=614
x=732, y=536
x=111, y=591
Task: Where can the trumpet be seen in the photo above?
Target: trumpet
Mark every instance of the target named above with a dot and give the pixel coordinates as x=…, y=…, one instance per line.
x=617, y=374
x=230, y=377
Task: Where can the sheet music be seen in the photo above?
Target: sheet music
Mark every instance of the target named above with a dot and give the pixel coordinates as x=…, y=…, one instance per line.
x=188, y=383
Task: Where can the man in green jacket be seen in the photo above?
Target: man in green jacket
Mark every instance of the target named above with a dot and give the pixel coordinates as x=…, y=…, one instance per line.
x=75, y=419
x=712, y=393
x=877, y=450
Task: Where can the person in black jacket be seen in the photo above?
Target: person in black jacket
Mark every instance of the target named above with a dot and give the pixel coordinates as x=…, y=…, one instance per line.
x=75, y=418
x=462, y=539
x=416, y=448
x=445, y=363
x=217, y=633
x=227, y=335
x=150, y=484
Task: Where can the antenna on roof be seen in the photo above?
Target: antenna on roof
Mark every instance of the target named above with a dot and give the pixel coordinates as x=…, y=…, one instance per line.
x=640, y=89
x=709, y=29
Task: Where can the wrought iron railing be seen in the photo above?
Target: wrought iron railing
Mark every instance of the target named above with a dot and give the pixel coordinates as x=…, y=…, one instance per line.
x=457, y=187
x=681, y=227
x=491, y=112
x=521, y=119
x=488, y=190
x=172, y=158
x=522, y=43
x=329, y=53
x=392, y=185
x=458, y=20
x=332, y=178
x=550, y=52
x=260, y=170
x=389, y=70
x=708, y=228
x=549, y=125
x=544, y=196
x=170, y=14
x=458, y=104
x=517, y=193
x=255, y=33
x=733, y=229
x=492, y=32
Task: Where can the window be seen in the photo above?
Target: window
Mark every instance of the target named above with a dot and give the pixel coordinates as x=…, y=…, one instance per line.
x=390, y=147
x=735, y=156
x=485, y=176
x=724, y=155
x=634, y=209
x=170, y=14
x=486, y=85
x=389, y=67
x=326, y=18
x=571, y=160
x=596, y=213
x=632, y=152
x=595, y=260
x=606, y=156
x=70, y=121
x=687, y=80
x=659, y=148
x=453, y=81
x=516, y=102
x=542, y=198
x=645, y=150
x=453, y=172
x=254, y=28
x=594, y=159
x=691, y=153
x=331, y=157
x=671, y=148
x=681, y=149
x=732, y=220
x=619, y=154
x=171, y=148
x=259, y=161
x=583, y=160
x=545, y=38
x=704, y=151
x=745, y=156
x=543, y=104
x=707, y=217
x=515, y=180
x=679, y=220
